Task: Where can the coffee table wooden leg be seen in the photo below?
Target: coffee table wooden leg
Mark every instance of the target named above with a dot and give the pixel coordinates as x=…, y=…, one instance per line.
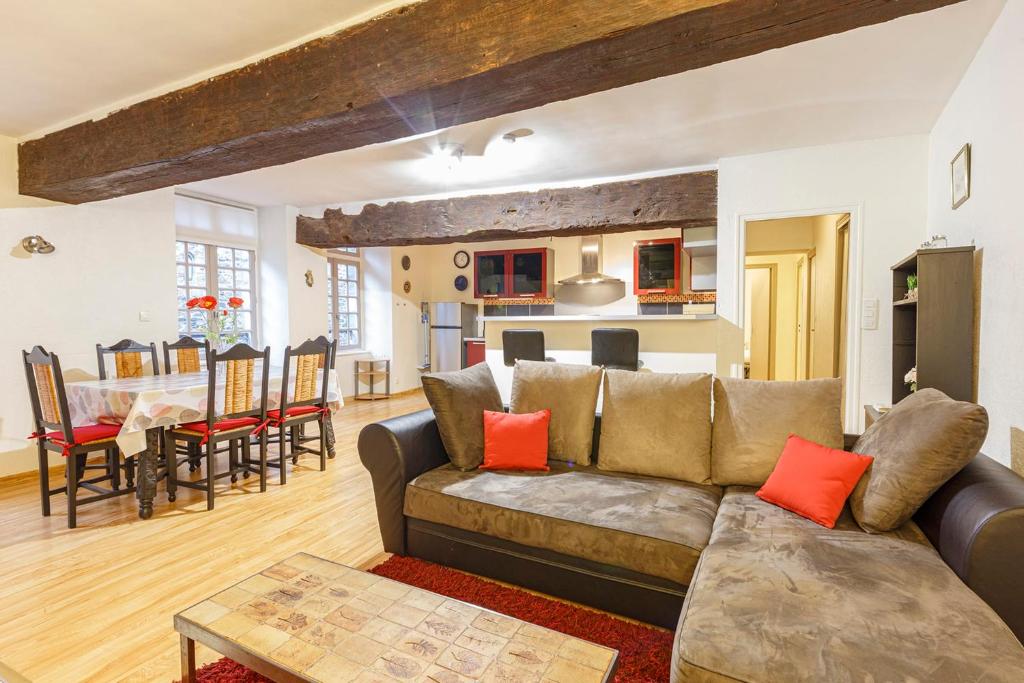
x=188, y=659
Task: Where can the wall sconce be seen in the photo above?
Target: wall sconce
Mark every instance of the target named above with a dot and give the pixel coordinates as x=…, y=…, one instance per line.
x=35, y=244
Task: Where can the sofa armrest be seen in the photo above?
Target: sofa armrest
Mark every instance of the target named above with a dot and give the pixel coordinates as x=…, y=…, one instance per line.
x=396, y=451
x=976, y=522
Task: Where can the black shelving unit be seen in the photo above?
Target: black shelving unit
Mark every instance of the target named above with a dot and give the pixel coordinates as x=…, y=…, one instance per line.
x=935, y=332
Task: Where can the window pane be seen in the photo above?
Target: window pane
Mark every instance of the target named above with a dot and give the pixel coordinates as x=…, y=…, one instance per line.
x=181, y=276
x=353, y=338
x=342, y=305
x=353, y=305
x=224, y=278
x=196, y=253
x=182, y=323
x=198, y=318
x=352, y=273
x=241, y=259
x=353, y=289
x=182, y=297
x=244, y=321
x=179, y=252
x=223, y=296
x=197, y=276
x=242, y=279
x=224, y=257
x=353, y=321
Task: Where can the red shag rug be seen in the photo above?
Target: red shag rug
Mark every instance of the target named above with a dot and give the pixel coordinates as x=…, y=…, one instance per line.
x=644, y=651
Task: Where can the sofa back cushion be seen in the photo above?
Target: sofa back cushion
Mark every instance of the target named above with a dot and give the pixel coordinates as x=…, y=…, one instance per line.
x=570, y=392
x=753, y=419
x=459, y=399
x=658, y=424
x=918, y=446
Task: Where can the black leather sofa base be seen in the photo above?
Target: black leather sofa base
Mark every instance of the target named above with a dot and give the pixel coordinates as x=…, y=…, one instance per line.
x=639, y=596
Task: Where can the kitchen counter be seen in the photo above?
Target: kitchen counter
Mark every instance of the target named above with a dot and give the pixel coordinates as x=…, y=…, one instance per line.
x=595, y=318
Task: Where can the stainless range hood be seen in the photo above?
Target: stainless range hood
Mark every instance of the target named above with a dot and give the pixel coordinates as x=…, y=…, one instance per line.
x=591, y=260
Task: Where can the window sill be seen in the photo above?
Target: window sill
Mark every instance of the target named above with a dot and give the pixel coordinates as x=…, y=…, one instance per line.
x=351, y=352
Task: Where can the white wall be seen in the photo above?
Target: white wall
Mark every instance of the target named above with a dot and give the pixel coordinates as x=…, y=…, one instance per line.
x=882, y=184
x=987, y=110
x=114, y=259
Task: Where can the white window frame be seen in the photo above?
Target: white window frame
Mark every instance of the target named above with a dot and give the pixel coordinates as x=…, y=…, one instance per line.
x=213, y=286
x=346, y=256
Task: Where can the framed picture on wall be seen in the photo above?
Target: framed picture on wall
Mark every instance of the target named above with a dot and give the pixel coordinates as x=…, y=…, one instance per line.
x=960, y=170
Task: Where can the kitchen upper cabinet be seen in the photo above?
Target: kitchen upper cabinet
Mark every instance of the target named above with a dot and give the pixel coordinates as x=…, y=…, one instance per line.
x=490, y=273
x=514, y=274
x=532, y=273
x=656, y=267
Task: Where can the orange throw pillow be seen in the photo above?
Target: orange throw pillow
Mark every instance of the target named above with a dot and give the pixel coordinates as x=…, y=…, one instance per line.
x=516, y=442
x=813, y=481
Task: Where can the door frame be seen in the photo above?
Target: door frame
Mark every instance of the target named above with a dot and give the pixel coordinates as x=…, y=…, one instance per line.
x=773, y=283
x=855, y=265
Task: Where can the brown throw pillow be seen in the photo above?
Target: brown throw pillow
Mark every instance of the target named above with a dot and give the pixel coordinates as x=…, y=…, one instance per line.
x=753, y=419
x=923, y=441
x=658, y=424
x=459, y=399
x=570, y=392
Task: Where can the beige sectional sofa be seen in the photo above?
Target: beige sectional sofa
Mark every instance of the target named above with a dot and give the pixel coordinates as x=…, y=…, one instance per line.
x=769, y=595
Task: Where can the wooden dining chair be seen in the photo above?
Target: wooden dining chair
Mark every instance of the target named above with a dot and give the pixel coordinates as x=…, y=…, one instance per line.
x=190, y=355
x=311, y=364
x=55, y=434
x=240, y=418
x=128, y=358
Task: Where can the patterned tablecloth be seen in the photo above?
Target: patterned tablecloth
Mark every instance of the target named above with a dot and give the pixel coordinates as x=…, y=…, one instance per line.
x=140, y=403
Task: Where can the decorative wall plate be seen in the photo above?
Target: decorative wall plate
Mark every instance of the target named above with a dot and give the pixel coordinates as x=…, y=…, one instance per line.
x=406, y=262
x=461, y=283
x=461, y=258
x=407, y=287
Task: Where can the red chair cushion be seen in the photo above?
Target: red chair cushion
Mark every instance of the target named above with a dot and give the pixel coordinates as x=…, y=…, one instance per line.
x=516, y=442
x=813, y=481
x=292, y=412
x=87, y=433
x=223, y=425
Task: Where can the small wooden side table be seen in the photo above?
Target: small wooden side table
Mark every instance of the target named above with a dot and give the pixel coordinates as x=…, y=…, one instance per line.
x=371, y=372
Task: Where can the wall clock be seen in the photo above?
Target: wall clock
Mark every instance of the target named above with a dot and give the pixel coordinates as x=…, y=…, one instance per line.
x=461, y=283
x=461, y=258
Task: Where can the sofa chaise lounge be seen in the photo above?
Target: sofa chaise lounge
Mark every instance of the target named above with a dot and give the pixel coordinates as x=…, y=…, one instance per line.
x=754, y=592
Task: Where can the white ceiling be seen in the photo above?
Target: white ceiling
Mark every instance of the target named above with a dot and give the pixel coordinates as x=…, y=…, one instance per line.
x=879, y=81
x=64, y=60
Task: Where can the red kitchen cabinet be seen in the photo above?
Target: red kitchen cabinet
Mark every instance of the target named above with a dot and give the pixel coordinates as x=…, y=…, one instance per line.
x=656, y=267
x=514, y=274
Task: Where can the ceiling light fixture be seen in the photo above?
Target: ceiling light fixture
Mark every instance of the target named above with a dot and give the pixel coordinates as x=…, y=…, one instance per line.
x=35, y=244
x=450, y=154
x=513, y=135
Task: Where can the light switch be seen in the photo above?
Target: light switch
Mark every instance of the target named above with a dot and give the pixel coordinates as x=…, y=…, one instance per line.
x=869, y=314
x=144, y=316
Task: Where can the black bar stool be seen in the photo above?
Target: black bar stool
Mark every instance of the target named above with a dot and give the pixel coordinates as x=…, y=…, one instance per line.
x=615, y=347
x=523, y=345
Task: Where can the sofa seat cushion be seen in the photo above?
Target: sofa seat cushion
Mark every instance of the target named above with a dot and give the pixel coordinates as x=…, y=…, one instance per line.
x=653, y=526
x=779, y=598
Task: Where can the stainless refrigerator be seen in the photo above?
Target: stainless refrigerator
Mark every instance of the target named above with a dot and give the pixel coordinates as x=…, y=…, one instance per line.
x=449, y=324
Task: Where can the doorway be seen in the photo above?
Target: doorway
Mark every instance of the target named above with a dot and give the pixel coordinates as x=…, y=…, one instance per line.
x=800, y=305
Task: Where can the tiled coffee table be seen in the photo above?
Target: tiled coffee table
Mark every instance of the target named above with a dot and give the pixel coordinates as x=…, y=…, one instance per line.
x=308, y=619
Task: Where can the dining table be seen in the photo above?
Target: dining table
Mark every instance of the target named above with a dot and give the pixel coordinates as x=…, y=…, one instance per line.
x=145, y=406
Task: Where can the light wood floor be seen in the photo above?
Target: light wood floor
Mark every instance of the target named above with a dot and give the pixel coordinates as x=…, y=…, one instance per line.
x=95, y=603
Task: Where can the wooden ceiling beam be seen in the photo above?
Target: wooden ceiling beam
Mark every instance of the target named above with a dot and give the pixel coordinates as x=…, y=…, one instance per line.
x=684, y=200
x=419, y=68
